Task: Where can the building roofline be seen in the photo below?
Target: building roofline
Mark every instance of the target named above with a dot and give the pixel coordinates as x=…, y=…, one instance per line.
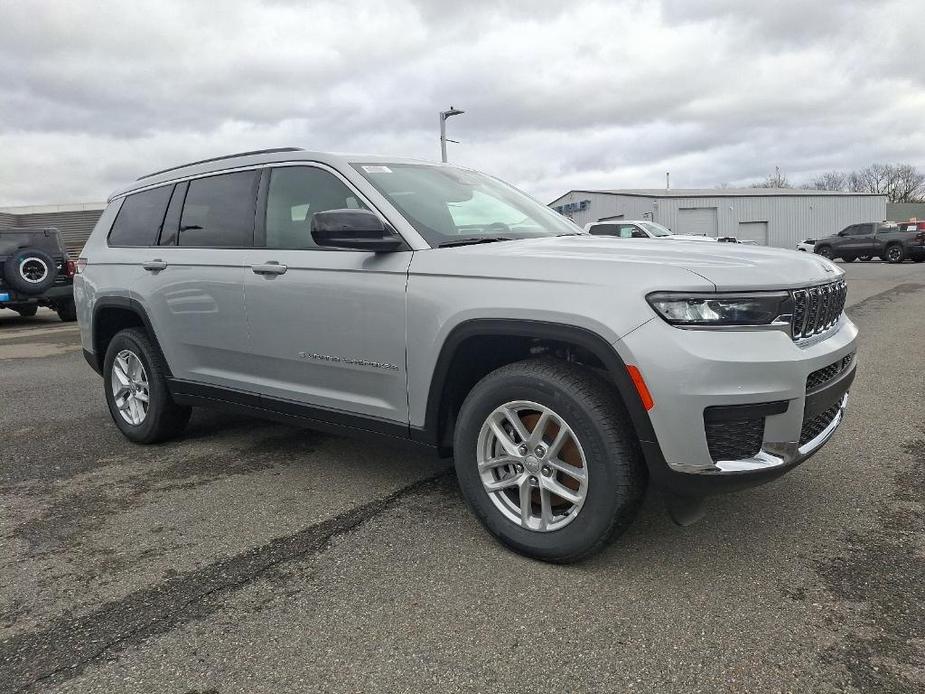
x=46, y=209
x=721, y=193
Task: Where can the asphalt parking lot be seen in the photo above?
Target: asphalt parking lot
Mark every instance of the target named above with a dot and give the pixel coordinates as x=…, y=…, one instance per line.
x=252, y=557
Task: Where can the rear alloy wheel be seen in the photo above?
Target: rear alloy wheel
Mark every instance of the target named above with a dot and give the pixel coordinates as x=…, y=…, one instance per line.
x=848, y=259
x=547, y=460
x=824, y=251
x=136, y=389
x=895, y=254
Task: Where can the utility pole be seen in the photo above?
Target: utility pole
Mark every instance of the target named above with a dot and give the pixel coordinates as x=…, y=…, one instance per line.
x=667, y=180
x=443, y=116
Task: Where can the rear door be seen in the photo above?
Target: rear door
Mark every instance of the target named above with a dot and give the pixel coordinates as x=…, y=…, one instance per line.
x=192, y=282
x=327, y=326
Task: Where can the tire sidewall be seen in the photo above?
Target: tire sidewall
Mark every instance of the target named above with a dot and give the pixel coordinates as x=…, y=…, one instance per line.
x=825, y=252
x=157, y=389
x=890, y=254
x=603, y=500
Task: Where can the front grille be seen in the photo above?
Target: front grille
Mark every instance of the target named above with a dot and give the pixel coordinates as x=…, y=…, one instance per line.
x=816, y=309
x=733, y=439
x=827, y=373
x=814, y=426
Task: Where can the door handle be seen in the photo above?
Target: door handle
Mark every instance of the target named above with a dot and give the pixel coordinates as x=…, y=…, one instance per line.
x=154, y=265
x=270, y=268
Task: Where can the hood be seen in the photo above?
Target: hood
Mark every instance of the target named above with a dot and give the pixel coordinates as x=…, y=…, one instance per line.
x=728, y=266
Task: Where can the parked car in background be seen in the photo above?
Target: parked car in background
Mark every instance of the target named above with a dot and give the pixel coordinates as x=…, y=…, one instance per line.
x=438, y=306
x=736, y=239
x=638, y=229
x=807, y=245
x=887, y=240
x=35, y=271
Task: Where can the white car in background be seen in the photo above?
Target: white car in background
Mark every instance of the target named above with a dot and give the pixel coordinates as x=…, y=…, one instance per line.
x=807, y=246
x=638, y=229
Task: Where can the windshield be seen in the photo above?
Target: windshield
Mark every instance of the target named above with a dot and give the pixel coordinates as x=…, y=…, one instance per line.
x=446, y=204
x=656, y=229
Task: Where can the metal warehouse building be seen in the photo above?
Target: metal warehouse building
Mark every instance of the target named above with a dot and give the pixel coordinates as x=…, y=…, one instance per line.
x=779, y=217
x=75, y=222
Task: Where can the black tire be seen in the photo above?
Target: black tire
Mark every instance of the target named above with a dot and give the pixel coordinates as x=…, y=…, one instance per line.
x=66, y=310
x=865, y=258
x=164, y=419
x=895, y=253
x=30, y=271
x=27, y=311
x=917, y=260
x=593, y=410
x=848, y=259
x=824, y=251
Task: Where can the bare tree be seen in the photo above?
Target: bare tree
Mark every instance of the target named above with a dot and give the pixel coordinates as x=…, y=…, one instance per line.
x=872, y=179
x=776, y=179
x=830, y=180
x=907, y=185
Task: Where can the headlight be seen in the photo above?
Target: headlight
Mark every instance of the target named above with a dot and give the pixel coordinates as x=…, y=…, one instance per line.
x=706, y=310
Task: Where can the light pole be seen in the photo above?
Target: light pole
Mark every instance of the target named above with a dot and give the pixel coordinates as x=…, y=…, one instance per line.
x=443, y=116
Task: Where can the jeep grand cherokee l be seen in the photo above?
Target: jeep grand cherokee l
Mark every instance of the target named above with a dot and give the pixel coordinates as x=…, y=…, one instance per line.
x=438, y=306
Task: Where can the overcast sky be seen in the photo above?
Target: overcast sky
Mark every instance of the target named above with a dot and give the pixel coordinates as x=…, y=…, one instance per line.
x=558, y=94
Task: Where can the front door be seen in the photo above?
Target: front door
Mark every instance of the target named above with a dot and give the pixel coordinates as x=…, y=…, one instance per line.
x=327, y=326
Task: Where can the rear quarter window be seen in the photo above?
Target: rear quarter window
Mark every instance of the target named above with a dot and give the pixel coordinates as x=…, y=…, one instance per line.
x=140, y=217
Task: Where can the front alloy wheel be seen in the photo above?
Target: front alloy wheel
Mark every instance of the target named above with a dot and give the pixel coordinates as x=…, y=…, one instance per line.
x=130, y=389
x=547, y=460
x=532, y=466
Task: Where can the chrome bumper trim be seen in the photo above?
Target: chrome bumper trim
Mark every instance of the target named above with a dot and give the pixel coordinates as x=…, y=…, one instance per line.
x=771, y=455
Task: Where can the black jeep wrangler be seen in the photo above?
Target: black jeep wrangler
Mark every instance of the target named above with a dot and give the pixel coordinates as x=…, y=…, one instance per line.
x=35, y=271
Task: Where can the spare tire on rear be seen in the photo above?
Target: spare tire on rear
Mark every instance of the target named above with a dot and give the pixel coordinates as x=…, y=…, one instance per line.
x=30, y=271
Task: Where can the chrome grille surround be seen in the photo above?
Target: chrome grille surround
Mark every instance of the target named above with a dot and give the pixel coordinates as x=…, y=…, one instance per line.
x=816, y=309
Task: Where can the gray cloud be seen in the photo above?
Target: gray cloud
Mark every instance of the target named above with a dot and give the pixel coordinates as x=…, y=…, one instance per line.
x=558, y=95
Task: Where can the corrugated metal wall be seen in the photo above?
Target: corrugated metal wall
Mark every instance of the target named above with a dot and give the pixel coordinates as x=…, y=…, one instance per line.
x=789, y=219
x=75, y=226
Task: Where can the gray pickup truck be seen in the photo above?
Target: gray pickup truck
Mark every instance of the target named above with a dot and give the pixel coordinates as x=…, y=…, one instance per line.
x=885, y=240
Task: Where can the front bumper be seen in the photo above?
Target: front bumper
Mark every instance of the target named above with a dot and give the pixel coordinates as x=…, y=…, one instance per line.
x=691, y=372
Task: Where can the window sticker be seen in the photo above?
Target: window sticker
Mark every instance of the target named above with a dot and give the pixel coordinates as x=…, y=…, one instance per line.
x=375, y=169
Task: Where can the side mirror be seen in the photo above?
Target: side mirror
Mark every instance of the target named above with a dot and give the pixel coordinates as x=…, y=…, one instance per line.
x=354, y=229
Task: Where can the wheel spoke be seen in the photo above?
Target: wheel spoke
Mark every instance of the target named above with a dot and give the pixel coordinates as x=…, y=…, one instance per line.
x=526, y=503
x=119, y=371
x=126, y=401
x=560, y=490
x=536, y=436
x=141, y=396
x=516, y=422
x=579, y=473
x=498, y=462
x=503, y=438
x=506, y=483
x=559, y=441
x=545, y=509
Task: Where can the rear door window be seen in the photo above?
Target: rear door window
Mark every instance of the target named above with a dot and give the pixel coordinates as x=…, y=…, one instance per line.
x=219, y=211
x=140, y=218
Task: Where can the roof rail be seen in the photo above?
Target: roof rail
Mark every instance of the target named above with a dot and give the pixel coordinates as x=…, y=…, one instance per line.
x=273, y=150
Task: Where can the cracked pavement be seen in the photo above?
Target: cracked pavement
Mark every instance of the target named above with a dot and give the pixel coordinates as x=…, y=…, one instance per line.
x=253, y=557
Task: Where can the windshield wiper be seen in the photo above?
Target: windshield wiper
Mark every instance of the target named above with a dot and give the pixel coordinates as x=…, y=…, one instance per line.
x=470, y=240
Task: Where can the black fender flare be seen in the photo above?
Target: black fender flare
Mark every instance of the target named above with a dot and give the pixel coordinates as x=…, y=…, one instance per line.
x=561, y=332
x=124, y=303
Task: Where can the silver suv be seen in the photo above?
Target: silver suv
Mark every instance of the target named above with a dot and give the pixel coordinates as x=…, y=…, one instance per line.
x=437, y=306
